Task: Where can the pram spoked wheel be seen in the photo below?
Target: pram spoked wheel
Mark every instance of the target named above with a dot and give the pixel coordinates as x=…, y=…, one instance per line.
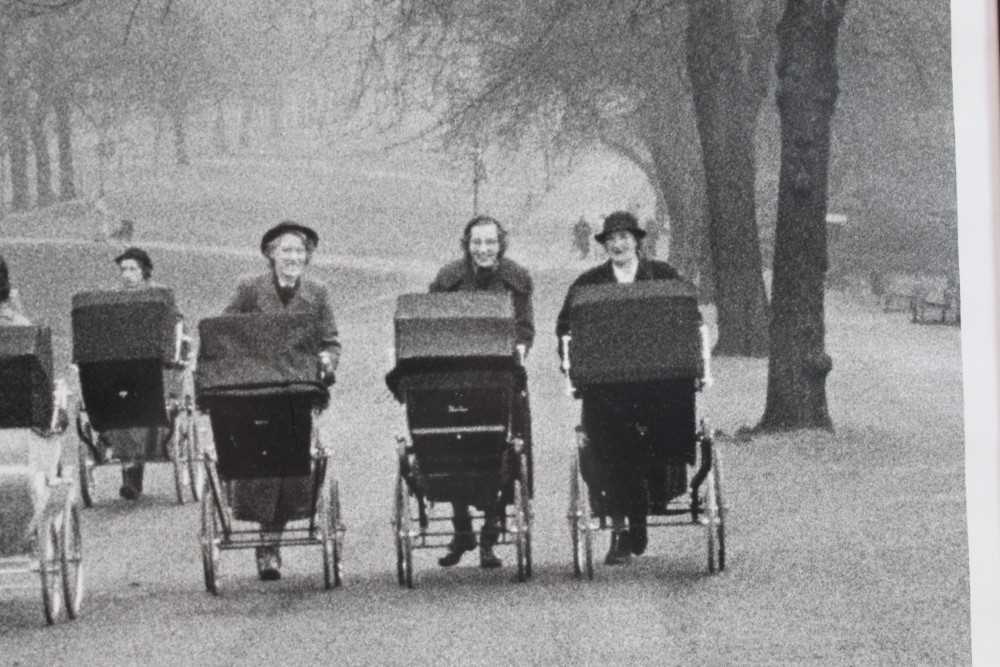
x=185, y=452
x=85, y=459
x=71, y=559
x=404, y=539
x=522, y=520
x=210, y=536
x=331, y=530
x=714, y=515
x=47, y=553
x=580, y=527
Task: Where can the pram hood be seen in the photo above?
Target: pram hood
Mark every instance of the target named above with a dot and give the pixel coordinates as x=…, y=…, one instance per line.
x=25, y=377
x=258, y=354
x=119, y=325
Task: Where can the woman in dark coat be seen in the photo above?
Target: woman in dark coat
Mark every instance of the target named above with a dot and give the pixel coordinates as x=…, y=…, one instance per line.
x=484, y=267
x=608, y=416
x=134, y=445
x=288, y=247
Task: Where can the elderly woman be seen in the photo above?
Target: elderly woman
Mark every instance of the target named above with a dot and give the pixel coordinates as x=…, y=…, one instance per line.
x=10, y=316
x=623, y=458
x=133, y=445
x=485, y=267
x=288, y=247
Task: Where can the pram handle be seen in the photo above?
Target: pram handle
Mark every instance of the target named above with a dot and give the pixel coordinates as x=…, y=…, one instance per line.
x=564, y=362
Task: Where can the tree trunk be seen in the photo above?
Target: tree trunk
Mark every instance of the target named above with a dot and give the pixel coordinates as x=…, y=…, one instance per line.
x=18, y=148
x=64, y=142
x=179, y=125
x=43, y=163
x=219, y=140
x=726, y=118
x=807, y=94
x=246, y=121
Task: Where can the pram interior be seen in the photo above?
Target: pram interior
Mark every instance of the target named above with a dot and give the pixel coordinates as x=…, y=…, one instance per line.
x=459, y=416
x=122, y=342
x=261, y=434
x=26, y=377
x=257, y=377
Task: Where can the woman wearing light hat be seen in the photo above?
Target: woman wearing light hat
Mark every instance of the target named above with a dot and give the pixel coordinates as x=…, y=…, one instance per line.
x=288, y=247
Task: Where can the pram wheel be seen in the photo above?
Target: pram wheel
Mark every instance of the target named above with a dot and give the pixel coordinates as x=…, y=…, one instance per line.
x=715, y=516
x=210, y=543
x=522, y=521
x=581, y=534
x=196, y=471
x=184, y=453
x=47, y=546
x=85, y=464
x=404, y=541
x=330, y=527
x=71, y=559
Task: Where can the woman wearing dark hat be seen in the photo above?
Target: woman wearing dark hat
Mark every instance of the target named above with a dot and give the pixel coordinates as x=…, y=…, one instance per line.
x=485, y=267
x=622, y=458
x=288, y=247
x=135, y=272
x=10, y=316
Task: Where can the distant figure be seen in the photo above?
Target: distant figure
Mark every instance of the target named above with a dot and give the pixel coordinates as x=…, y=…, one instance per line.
x=124, y=232
x=100, y=206
x=581, y=237
x=10, y=311
x=654, y=228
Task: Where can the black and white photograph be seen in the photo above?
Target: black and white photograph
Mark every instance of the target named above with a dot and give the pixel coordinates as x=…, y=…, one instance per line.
x=547, y=332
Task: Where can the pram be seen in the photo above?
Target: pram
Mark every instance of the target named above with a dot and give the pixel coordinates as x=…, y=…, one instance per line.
x=39, y=503
x=462, y=379
x=259, y=381
x=639, y=356
x=131, y=357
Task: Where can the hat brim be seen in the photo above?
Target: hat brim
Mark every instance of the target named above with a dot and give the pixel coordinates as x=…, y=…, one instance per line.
x=639, y=234
x=284, y=228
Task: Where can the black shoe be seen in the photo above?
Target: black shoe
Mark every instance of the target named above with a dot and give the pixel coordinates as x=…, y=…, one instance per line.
x=638, y=537
x=620, y=552
x=268, y=564
x=461, y=543
x=487, y=559
x=128, y=492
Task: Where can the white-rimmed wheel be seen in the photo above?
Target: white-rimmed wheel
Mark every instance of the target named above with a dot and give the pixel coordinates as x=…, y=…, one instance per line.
x=85, y=461
x=522, y=520
x=404, y=541
x=178, y=455
x=715, y=515
x=71, y=558
x=47, y=547
x=581, y=534
x=210, y=536
x=196, y=471
x=330, y=529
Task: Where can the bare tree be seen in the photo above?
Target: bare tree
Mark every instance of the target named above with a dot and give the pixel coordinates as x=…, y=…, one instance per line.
x=806, y=97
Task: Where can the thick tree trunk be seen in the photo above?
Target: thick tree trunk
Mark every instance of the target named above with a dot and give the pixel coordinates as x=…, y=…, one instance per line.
x=64, y=143
x=807, y=94
x=43, y=163
x=726, y=115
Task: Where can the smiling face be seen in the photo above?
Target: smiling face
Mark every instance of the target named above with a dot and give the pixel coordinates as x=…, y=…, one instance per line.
x=484, y=245
x=130, y=273
x=621, y=247
x=289, y=256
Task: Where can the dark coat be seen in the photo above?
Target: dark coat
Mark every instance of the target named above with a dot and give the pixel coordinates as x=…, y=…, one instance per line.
x=509, y=276
x=275, y=500
x=259, y=294
x=649, y=269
